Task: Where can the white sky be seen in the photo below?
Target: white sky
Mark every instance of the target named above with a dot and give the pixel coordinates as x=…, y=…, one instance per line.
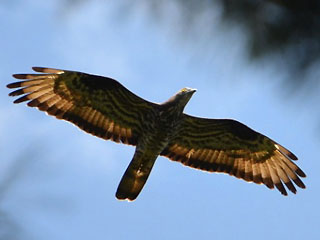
x=59, y=183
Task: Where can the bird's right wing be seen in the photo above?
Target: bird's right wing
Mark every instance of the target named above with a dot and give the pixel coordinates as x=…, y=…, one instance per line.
x=228, y=146
x=98, y=105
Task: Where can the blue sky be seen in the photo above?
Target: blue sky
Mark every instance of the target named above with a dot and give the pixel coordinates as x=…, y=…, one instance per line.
x=57, y=182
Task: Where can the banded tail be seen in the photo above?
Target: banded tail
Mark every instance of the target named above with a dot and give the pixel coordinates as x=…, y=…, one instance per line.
x=135, y=176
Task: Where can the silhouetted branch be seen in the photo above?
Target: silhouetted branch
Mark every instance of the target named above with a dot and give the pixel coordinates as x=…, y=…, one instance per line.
x=287, y=29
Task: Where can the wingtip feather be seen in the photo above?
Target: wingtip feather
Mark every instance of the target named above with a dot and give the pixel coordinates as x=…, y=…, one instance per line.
x=21, y=99
x=301, y=173
x=292, y=156
x=18, y=76
x=286, y=152
x=47, y=70
x=13, y=85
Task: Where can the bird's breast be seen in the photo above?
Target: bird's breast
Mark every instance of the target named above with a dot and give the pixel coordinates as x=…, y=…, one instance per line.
x=158, y=129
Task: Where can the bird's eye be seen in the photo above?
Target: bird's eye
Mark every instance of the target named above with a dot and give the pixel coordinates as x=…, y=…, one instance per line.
x=183, y=89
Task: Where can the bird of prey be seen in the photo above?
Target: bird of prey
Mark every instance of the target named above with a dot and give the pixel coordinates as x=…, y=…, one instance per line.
x=104, y=108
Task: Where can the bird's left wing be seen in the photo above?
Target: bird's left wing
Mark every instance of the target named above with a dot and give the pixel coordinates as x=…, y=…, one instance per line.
x=228, y=146
x=98, y=105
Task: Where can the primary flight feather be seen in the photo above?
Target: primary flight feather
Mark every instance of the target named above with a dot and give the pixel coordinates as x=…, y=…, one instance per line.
x=103, y=107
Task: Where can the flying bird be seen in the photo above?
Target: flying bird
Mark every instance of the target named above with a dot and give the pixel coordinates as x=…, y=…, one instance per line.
x=104, y=108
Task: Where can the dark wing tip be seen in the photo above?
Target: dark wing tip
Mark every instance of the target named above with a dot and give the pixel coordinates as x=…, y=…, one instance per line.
x=19, y=76
x=16, y=93
x=292, y=156
x=21, y=99
x=300, y=173
x=291, y=187
x=13, y=85
x=286, y=152
x=299, y=183
x=39, y=69
x=281, y=188
x=47, y=70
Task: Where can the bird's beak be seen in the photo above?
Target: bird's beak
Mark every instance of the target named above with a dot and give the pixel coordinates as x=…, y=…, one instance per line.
x=193, y=90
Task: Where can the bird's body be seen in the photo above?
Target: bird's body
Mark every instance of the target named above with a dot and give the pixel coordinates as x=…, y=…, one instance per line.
x=161, y=124
x=103, y=107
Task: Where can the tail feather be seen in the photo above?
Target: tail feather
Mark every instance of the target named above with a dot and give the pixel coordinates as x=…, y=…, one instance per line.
x=134, y=178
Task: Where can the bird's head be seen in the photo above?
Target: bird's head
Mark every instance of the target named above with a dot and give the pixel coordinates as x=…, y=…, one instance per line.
x=186, y=93
x=181, y=98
